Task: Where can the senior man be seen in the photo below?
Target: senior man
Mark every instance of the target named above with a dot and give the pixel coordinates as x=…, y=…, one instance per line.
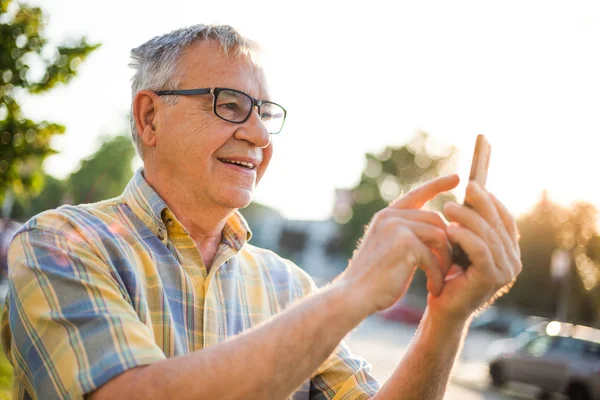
x=157, y=293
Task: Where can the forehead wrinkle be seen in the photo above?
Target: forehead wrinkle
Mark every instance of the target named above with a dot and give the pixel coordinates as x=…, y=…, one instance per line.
x=210, y=67
x=241, y=76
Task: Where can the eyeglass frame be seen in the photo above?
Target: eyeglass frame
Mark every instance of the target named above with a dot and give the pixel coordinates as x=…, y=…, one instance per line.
x=215, y=93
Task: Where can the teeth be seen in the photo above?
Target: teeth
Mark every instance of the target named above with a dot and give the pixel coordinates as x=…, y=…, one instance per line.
x=245, y=164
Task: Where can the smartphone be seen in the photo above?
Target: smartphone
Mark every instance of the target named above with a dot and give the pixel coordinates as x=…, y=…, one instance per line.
x=479, y=171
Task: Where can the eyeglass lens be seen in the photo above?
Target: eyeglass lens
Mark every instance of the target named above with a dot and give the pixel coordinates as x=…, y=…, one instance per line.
x=236, y=106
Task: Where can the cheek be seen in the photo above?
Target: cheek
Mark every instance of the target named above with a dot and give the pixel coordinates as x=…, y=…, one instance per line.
x=267, y=153
x=192, y=140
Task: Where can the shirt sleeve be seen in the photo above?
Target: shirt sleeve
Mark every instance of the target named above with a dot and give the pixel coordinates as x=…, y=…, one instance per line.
x=72, y=327
x=343, y=376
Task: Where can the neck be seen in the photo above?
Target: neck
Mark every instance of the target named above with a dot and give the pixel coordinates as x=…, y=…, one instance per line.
x=204, y=222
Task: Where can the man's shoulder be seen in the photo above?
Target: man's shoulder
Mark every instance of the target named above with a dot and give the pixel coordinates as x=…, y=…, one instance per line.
x=68, y=218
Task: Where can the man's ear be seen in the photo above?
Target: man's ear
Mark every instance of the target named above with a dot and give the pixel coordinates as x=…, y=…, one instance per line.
x=145, y=107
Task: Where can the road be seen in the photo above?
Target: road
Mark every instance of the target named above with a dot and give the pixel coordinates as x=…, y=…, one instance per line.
x=383, y=343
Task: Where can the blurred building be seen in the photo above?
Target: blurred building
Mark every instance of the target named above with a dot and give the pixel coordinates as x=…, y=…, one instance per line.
x=312, y=245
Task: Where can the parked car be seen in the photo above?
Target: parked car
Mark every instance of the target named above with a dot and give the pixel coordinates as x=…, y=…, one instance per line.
x=511, y=344
x=563, y=359
x=499, y=320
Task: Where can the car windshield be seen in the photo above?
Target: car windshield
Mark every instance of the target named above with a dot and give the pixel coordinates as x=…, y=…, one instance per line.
x=592, y=350
x=540, y=345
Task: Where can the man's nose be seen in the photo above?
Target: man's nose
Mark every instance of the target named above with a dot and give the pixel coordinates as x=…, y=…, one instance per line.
x=254, y=131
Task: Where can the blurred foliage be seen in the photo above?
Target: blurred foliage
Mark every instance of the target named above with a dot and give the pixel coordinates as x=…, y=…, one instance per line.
x=101, y=176
x=29, y=64
x=51, y=196
x=546, y=228
x=387, y=175
x=105, y=173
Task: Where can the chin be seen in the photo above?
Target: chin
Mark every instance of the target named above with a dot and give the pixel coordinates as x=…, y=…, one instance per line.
x=238, y=199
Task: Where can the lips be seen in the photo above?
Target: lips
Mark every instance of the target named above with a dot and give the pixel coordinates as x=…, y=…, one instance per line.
x=244, y=164
x=249, y=164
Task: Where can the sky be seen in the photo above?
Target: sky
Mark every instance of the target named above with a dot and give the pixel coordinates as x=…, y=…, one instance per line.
x=358, y=76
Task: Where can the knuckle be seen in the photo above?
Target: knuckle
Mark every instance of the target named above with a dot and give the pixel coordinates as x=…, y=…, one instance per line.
x=514, y=262
x=378, y=219
x=492, y=237
x=439, y=236
x=518, y=267
x=480, y=251
x=406, y=240
x=497, y=221
x=403, y=233
x=470, y=191
x=388, y=227
x=383, y=214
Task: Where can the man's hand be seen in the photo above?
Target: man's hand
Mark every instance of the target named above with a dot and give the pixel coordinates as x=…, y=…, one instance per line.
x=488, y=234
x=400, y=238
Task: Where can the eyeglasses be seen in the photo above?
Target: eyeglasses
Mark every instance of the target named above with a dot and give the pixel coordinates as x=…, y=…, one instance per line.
x=234, y=106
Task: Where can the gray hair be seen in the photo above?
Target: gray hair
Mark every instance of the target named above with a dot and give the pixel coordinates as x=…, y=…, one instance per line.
x=156, y=61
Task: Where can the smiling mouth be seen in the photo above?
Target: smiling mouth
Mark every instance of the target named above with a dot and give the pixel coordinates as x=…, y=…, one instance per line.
x=242, y=164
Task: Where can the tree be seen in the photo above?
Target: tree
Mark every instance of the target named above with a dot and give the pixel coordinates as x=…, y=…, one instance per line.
x=51, y=196
x=29, y=64
x=104, y=174
x=546, y=228
x=385, y=177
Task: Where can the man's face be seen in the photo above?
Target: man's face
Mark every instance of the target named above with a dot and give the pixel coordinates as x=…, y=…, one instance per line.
x=195, y=148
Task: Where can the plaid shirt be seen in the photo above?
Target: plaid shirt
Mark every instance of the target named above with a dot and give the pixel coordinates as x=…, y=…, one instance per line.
x=100, y=288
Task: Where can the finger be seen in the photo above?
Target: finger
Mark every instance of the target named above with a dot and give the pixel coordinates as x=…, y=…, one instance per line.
x=429, y=217
x=508, y=220
x=474, y=246
x=421, y=256
x=482, y=257
x=432, y=269
x=431, y=228
x=482, y=277
x=494, y=266
x=436, y=240
x=425, y=192
x=481, y=201
x=471, y=220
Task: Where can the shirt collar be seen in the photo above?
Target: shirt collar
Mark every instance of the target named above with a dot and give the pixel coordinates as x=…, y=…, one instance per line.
x=147, y=205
